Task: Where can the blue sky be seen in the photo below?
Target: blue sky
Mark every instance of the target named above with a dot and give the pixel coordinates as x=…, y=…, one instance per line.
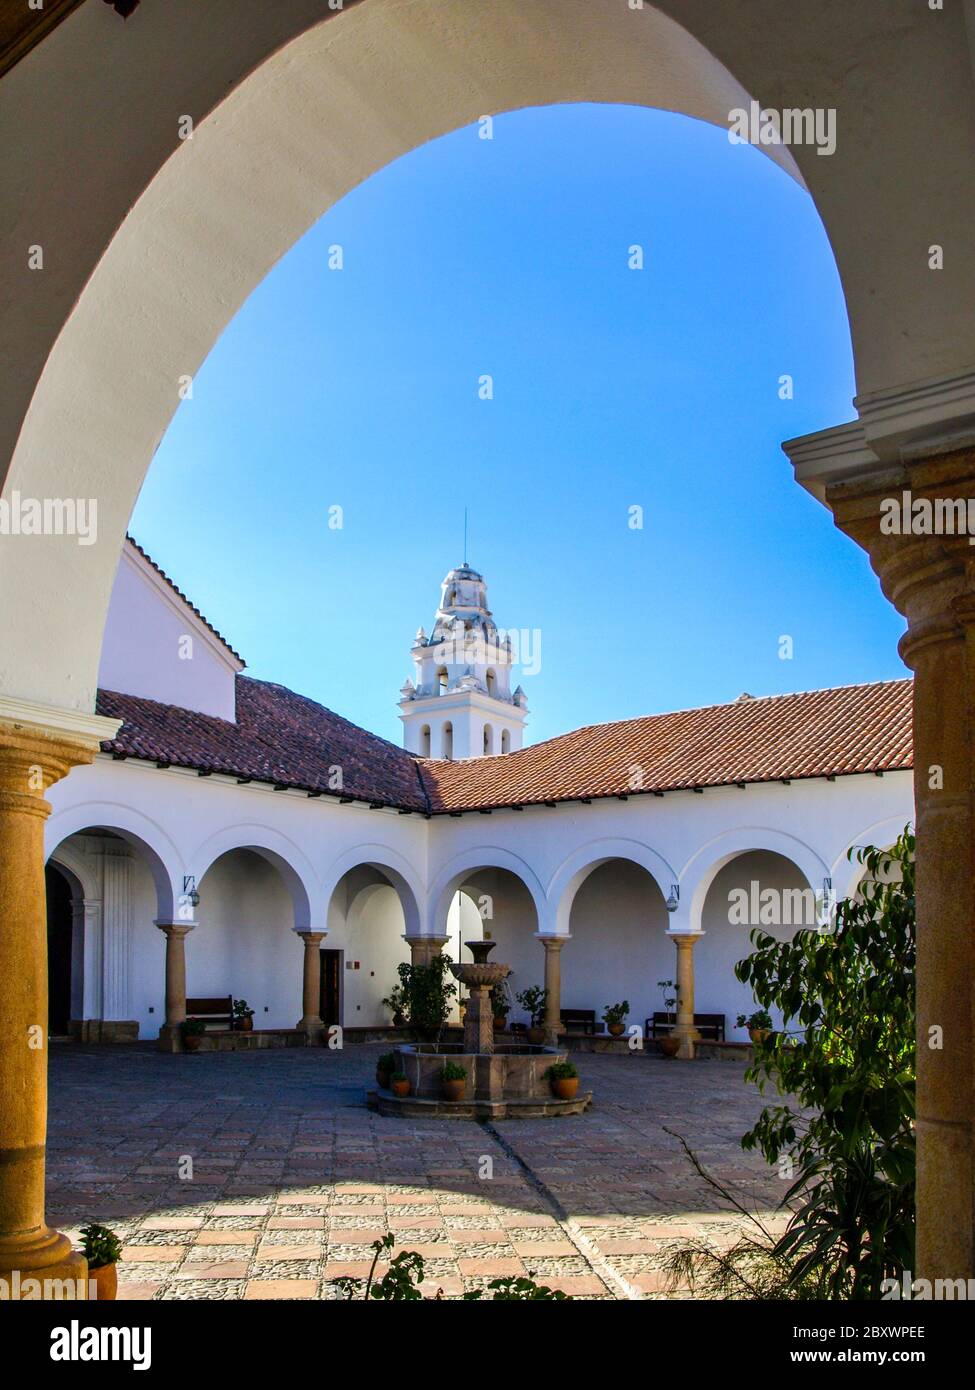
x=613, y=388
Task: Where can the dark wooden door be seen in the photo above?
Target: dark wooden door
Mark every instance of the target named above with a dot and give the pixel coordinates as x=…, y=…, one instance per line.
x=59, y=932
x=331, y=975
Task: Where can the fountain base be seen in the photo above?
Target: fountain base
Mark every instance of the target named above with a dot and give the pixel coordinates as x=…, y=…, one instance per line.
x=503, y=1084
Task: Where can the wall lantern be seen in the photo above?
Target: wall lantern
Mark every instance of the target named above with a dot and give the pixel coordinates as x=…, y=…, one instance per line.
x=673, y=900
x=189, y=890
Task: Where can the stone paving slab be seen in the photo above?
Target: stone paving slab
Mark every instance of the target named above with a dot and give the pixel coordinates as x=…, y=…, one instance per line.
x=262, y=1175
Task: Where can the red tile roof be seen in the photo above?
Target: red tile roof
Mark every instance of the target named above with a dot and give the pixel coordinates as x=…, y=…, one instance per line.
x=819, y=733
x=279, y=737
x=288, y=740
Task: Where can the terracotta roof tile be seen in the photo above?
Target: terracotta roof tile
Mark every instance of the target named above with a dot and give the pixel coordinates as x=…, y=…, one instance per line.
x=279, y=737
x=818, y=733
x=288, y=740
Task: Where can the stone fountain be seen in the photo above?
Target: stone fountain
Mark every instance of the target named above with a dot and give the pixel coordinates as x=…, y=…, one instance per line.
x=504, y=1079
x=480, y=977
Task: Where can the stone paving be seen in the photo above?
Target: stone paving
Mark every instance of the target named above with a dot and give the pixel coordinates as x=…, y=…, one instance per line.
x=262, y=1175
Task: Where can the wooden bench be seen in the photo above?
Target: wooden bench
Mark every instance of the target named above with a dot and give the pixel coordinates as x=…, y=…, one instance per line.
x=216, y=1012
x=579, y=1018
x=710, y=1026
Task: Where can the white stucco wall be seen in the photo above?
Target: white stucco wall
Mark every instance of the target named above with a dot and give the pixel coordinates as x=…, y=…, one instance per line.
x=598, y=872
x=156, y=646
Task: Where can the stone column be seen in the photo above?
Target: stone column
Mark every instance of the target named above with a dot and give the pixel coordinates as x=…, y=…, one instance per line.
x=34, y=753
x=170, y=1036
x=684, y=1027
x=931, y=580
x=552, y=1022
x=424, y=948
x=311, y=991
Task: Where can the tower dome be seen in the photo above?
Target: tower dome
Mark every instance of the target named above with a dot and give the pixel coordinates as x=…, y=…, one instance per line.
x=460, y=703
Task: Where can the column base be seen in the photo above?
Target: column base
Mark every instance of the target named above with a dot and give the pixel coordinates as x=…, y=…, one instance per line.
x=170, y=1038
x=313, y=1029
x=688, y=1038
x=46, y=1256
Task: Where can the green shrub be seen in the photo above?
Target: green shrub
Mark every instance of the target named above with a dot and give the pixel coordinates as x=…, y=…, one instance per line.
x=616, y=1013
x=848, y=1062
x=453, y=1071
x=386, y=1062
x=561, y=1071
x=99, y=1245
x=192, y=1027
x=533, y=1000
x=399, y=1076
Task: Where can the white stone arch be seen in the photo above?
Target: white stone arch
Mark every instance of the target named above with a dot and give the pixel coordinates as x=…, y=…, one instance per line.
x=574, y=870
x=847, y=873
x=393, y=866
x=145, y=836
x=702, y=868
x=215, y=213
x=290, y=861
x=451, y=877
x=77, y=870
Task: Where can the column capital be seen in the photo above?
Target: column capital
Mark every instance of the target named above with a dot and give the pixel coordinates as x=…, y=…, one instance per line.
x=311, y=938
x=426, y=937
x=685, y=934
x=175, y=928
x=552, y=941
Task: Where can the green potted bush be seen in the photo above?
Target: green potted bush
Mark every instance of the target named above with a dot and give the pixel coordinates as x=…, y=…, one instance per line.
x=453, y=1080
x=564, y=1080
x=102, y=1249
x=500, y=1007
x=396, y=1002
x=759, y=1024
x=384, y=1070
x=615, y=1016
x=191, y=1031
x=400, y=1083
x=243, y=1016
x=534, y=1000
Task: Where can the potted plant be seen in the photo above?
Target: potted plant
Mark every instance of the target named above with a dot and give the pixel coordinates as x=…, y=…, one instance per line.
x=759, y=1024
x=191, y=1031
x=396, y=1003
x=384, y=1070
x=615, y=1016
x=400, y=1083
x=500, y=1008
x=243, y=1016
x=534, y=1000
x=669, y=1044
x=102, y=1249
x=564, y=1080
x=428, y=994
x=453, y=1080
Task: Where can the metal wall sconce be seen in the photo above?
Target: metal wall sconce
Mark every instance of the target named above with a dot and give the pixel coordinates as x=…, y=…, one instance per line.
x=673, y=900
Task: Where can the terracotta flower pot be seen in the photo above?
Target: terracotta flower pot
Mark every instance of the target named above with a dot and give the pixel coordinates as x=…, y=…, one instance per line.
x=105, y=1279
x=536, y=1035
x=565, y=1087
x=499, y=1024
x=401, y=1088
x=616, y=1030
x=758, y=1035
x=669, y=1046
x=191, y=1042
x=454, y=1090
x=244, y=1025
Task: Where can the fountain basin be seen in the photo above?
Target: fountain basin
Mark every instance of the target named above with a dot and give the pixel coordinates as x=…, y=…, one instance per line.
x=502, y=1084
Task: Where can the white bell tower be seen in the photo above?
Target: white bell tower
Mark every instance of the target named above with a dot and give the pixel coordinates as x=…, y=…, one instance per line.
x=460, y=704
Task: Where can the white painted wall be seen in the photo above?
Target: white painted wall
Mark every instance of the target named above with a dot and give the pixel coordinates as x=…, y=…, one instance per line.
x=529, y=865
x=156, y=646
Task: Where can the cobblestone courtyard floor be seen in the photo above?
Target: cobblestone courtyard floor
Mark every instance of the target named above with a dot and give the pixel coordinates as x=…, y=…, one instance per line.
x=292, y=1177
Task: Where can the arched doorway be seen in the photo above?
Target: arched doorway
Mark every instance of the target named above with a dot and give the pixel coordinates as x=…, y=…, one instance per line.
x=60, y=950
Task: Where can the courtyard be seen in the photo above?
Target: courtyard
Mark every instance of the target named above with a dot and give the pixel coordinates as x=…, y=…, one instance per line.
x=263, y=1175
